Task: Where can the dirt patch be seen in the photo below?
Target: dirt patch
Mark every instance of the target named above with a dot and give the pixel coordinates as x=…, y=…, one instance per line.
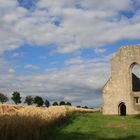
x=117, y=124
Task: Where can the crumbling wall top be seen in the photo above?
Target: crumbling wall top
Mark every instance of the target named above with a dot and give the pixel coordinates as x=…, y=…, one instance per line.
x=125, y=50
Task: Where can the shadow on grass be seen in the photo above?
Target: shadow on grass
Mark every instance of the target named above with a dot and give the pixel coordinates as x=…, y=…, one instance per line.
x=87, y=136
x=59, y=134
x=32, y=128
x=137, y=116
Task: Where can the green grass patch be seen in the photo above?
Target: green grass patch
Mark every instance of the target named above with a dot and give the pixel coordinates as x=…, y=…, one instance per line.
x=95, y=126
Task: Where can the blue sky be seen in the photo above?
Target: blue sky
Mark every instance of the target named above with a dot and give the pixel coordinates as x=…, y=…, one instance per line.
x=61, y=50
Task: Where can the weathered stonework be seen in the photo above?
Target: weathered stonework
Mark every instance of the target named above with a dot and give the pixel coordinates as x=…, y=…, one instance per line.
x=117, y=92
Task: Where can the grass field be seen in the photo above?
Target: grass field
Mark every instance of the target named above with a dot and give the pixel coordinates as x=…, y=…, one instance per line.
x=95, y=126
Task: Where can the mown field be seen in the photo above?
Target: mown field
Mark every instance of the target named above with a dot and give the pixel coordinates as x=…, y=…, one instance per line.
x=95, y=126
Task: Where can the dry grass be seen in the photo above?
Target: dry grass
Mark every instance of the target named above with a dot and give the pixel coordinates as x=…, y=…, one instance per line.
x=117, y=124
x=27, y=122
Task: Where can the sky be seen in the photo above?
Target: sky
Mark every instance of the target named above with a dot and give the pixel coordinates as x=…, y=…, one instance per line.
x=61, y=49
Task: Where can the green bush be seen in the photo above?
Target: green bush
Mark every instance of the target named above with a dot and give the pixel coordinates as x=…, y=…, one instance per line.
x=3, y=98
x=62, y=103
x=55, y=104
x=47, y=103
x=39, y=101
x=29, y=100
x=16, y=97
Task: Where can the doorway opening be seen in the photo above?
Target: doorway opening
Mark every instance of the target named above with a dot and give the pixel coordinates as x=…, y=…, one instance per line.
x=122, y=109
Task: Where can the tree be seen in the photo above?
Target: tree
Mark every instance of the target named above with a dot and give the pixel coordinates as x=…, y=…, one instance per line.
x=16, y=97
x=3, y=98
x=29, y=100
x=55, y=104
x=85, y=107
x=47, y=103
x=62, y=103
x=68, y=103
x=39, y=101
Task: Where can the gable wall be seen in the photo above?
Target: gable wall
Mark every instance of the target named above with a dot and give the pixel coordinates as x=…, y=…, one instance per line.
x=119, y=87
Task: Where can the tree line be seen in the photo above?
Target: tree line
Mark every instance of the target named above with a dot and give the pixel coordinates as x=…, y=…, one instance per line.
x=30, y=100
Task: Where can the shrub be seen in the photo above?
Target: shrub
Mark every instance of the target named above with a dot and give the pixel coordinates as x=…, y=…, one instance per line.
x=47, y=103
x=16, y=97
x=62, y=103
x=55, y=104
x=29, y=100
x=85, y=107
x=68, y=103
x=39, y=101
x=3, y=98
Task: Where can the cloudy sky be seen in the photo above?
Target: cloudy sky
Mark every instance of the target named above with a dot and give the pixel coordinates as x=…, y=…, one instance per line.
x=61, y=49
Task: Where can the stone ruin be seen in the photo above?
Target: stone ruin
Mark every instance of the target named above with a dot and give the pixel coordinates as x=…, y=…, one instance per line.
x=121, y=93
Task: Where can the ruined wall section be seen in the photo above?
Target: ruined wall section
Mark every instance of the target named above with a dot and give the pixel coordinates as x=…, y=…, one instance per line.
x=119, y=87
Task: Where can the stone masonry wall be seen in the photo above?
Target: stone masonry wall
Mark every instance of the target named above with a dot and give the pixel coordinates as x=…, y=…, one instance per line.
x=119, y=87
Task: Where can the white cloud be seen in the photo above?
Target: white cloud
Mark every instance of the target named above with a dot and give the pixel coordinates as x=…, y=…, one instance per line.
x=96, y=23
x=30, y=66
x=99, y=50
x=17, y=54
x=75, y=61
x=75, y=83
x=11, y=70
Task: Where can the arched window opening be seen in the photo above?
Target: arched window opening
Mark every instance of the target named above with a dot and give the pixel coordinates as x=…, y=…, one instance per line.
x=135, y=78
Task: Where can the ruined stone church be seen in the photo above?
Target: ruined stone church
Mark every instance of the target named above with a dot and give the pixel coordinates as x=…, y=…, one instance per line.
x=121, y=93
